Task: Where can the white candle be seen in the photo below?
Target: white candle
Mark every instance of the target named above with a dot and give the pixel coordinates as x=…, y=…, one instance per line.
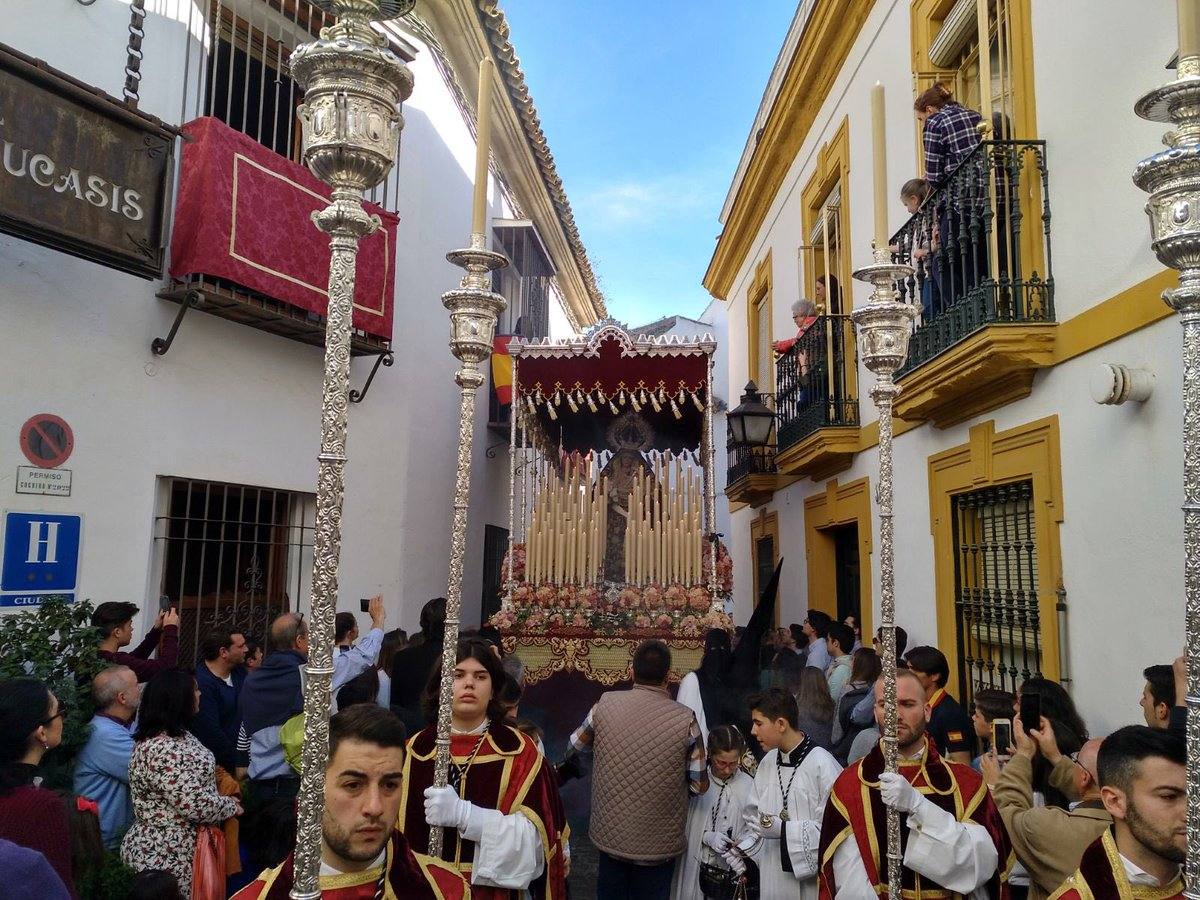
x=879, y=158
x=483, y=145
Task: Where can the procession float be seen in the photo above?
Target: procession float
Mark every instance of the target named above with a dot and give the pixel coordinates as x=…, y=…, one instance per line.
x=611, y=536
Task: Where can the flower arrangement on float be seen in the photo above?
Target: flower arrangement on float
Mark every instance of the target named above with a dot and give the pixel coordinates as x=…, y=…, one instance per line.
x=650, y=610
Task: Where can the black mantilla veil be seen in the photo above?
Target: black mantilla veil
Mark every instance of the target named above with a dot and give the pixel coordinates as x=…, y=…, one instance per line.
x=727, y=674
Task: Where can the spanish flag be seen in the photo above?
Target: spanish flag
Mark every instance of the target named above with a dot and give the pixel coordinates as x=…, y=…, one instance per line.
x=502, y=369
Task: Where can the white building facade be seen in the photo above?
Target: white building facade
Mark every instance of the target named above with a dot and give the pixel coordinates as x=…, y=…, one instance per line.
x=194, y=471
x=1036, y=529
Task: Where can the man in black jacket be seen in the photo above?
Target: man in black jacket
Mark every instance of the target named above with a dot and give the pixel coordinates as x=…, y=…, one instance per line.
x=413, y=665
x=219, y=677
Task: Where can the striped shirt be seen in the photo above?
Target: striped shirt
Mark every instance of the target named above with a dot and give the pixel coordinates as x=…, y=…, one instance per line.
x=697, y=761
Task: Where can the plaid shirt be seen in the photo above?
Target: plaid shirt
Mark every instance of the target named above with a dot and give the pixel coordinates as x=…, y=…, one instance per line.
x=697, y=762
x=949, y=137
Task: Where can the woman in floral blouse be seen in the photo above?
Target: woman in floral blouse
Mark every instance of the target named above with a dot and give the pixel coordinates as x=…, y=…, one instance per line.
x=172, y=780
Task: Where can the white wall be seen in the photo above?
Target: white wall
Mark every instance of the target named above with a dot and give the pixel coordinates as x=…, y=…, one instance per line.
x=1121, y=535
x=230, y=403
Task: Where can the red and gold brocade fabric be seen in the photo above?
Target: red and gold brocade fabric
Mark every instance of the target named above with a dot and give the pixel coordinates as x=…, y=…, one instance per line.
x=243, y=214
x=1101, y=876
x=508, y=774
x=856, y=812
x=410, y=877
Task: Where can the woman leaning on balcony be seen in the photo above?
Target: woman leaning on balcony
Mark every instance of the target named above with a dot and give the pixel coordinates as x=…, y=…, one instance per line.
x=804, y=313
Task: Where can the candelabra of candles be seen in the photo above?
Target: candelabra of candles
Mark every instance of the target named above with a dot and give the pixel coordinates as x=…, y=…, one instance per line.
x=663, y=539
x=568, y=533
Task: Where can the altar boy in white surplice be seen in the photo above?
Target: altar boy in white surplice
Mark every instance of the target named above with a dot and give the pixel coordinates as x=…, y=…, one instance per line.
x=790, y=790
x=715, y=820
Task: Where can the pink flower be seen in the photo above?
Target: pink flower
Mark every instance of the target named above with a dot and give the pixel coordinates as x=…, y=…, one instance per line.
x=675, y=597
x=522, y=593
x=689, y=626
x=643, y=621
x=664, y=621
x=579, y=620
x=652, y=596
x=546, y=596
x=630, y=598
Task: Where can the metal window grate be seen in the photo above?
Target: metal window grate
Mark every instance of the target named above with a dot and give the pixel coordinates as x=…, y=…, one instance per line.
x=995, y=597
x=495, y=545
x=233, y=556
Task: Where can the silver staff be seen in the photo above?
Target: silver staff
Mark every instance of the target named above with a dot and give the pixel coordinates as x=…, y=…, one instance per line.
x=884, y=325
x=351, y=130
x=1172, y=178
x=473, y=311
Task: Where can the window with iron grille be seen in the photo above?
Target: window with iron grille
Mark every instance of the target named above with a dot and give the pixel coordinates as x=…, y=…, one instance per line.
x=995, y=596
x=495, y=545
x=233, y=556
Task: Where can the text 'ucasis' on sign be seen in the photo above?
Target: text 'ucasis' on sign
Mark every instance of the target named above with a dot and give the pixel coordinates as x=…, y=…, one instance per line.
x=79, y=171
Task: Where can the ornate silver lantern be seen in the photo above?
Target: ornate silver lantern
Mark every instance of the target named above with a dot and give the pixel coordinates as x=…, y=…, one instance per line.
x=884, y=325
x=350, y=125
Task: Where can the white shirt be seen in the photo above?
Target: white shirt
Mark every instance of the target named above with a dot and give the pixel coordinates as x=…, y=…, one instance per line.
x=1140, y=876
x=959, y=856
x=807, y=789
x=689, y=696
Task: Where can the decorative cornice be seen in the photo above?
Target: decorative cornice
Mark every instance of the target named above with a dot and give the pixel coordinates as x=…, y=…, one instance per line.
x=631, y=344
x=495, y=25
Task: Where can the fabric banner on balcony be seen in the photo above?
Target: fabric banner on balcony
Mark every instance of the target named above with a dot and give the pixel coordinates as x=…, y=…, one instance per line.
x=502, y=369
x=243, y=214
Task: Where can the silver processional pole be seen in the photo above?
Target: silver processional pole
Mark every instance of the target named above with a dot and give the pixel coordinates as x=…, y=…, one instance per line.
x=1172, y=178
x=884, y=325
x=351, y=126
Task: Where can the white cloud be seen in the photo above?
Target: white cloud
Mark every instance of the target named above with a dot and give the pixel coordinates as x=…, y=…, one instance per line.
x=646, y=201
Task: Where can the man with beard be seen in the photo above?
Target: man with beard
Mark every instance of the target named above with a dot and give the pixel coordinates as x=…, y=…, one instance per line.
x=953, y=843
x=1144, y=787
x=362, y=854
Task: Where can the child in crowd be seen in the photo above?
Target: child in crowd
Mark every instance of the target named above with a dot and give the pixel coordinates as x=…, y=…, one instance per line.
x=714, y=819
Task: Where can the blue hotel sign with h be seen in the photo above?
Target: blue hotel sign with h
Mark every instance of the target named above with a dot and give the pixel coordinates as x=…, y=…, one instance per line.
x=41, y=557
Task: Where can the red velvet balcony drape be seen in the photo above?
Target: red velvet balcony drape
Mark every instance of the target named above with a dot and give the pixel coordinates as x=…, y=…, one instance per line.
x=243, y=214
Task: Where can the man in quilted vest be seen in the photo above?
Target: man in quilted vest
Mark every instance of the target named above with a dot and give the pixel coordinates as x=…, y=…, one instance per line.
x=648, y=759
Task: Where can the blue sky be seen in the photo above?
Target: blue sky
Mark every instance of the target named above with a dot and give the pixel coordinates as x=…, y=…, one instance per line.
x=647, y=107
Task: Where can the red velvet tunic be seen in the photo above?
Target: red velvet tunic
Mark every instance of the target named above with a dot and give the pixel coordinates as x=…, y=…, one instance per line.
x=508, y=774
x=410, y=877
x=1101, y=876
x=855, y=811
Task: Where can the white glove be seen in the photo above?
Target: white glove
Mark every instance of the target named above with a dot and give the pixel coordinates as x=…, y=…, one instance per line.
x=746, y=844
x=898, y=793
x=735, y=861
x=773, y=832
x=444, y=807
x=716, y=841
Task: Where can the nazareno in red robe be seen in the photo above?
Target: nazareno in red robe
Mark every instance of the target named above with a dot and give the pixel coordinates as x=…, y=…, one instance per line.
x=1101, y=876
x=508, y=774
x=855, y=811
x=410, y=877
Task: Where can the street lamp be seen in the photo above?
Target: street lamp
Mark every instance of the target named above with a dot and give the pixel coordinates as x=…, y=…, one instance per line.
x=751, y=422
x=350, y=125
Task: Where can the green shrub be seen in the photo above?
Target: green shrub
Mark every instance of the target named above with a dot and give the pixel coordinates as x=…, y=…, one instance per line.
x=56, y=643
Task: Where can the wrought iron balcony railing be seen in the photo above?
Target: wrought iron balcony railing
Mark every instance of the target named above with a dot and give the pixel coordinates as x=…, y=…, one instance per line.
x=744, y=461
x=814, y=379
x=980, y=245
